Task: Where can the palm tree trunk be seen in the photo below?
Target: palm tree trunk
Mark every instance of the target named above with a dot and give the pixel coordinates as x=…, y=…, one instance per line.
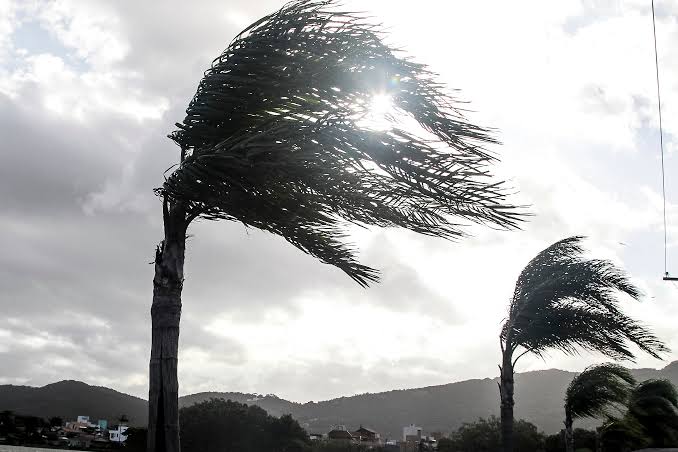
x=163, y=392
x=569, y=434
x=506, y=395
x=599, y=440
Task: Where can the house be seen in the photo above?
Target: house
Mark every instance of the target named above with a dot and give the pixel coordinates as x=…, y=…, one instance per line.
x=117, y=434
x=412, y=433
x=367, y=436
x=83, y=420
x=339, y=434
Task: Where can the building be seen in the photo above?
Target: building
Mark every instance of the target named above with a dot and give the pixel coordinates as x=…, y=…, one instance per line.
x=412, y=433
x=117, y=434
x=367, y=436
x=339, y=434
x=83, y=420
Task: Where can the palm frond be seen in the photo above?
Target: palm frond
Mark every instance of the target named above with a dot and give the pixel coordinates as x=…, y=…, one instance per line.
x=655, y=397
x=567, y=302
x=597, y=389
x=276, y=138
x=654, y=405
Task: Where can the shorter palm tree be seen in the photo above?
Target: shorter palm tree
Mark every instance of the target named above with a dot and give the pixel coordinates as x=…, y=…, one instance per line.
x=564, y=301
x=593, y=392
x=621, y=434
x=654, y=404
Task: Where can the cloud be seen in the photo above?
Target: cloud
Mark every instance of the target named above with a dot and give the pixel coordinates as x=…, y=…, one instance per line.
x=84, y=114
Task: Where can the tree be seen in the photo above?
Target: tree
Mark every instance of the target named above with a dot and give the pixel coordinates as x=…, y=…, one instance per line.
x=277, y=137
x=654, y=405
x=56, y=421
x=593, y=392
x=622, y=435
x=564, y=301
x=484, y=435
x=217, y=425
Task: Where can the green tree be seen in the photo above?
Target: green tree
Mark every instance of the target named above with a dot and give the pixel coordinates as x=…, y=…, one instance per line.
x=622, y=435
x=654, y=405
x=593, y=392
x=564, y=301
x=484, y=435
x=222, y=425
x=277, y=138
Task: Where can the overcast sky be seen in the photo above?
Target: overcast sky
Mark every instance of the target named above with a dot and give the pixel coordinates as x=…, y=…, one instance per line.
x=89, y=90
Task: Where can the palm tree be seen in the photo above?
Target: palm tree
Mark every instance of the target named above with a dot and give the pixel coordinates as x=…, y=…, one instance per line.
x=654, y=405
x=563, y=301
x=621, y=434
x=593, y=392
x=278, y=138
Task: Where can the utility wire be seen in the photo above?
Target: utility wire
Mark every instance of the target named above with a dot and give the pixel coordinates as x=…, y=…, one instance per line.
x=661, y=136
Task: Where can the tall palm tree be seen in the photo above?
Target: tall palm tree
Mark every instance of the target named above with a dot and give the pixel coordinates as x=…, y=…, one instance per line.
x=278, y=138
x=654, y=404
x=564, y=301
x=593, y=392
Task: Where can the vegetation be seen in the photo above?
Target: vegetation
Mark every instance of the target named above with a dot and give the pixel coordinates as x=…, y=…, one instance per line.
x=276, y=138
x=593, y=393
x=218, y=425
x=654, y=405
x=651, y=419
x=563, y=301
x=484, y=435
x=22, y=430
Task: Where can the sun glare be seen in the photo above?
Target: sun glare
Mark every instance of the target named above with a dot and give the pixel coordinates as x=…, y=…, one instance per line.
x=381, y=107
x=381, y=104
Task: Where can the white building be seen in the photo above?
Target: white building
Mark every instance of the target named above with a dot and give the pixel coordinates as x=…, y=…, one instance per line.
x=117, y=434
x=83, y=420
x=411, y=432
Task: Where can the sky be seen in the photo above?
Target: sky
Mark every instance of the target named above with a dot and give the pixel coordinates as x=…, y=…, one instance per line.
x=89, y=89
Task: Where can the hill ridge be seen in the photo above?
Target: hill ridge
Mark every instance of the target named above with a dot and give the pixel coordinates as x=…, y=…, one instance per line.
x=444, y=407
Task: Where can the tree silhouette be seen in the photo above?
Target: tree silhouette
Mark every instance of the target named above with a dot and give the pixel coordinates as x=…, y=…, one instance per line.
x=277, y=138
x=564, y=301
x=593, y=392
x=654, y=405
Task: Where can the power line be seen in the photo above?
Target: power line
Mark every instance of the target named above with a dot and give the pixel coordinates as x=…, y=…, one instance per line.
x=661, y=138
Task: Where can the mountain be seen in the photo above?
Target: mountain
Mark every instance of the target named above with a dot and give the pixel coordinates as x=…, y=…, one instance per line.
x=68, y=399
x=539, y=399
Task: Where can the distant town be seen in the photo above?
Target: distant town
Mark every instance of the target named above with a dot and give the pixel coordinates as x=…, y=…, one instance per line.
x=413, y=438
x=81, y=433
x=100, y=434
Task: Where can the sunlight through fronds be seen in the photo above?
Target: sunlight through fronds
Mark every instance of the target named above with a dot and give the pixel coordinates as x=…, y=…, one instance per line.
x=274, y=139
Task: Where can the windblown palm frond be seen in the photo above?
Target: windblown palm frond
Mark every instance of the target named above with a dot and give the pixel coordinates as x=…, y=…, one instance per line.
x=276, y=138
x=654, y=405
x=654, y=398
x=564, y=301
x=598, y=388
x=624, y=433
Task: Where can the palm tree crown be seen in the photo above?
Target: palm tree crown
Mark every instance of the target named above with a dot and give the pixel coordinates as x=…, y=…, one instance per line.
x=276, y=138
x=564, y=301
x=654, y=404
x=596, y=389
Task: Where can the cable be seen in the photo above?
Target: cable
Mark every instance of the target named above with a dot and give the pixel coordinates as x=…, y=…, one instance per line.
x=661, y=137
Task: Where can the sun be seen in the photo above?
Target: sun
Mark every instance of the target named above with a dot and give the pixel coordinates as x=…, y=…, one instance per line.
x=381, y=104
x=379, y=110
